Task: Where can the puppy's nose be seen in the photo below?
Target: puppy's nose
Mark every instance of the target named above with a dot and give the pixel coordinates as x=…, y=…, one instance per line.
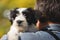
x=19, y=21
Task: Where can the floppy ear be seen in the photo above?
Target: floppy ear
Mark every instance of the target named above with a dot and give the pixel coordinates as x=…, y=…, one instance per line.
x=13, y=14
x=32, y=16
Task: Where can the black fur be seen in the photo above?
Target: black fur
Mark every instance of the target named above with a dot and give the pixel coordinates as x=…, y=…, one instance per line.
x=30, y=16
x=13, y=14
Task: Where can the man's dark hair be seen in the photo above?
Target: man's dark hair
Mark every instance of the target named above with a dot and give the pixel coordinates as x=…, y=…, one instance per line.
x=41, y=16
x=53, y=11
x=51, y=8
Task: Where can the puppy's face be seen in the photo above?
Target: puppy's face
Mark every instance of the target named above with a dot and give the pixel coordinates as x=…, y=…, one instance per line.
x=22, y=18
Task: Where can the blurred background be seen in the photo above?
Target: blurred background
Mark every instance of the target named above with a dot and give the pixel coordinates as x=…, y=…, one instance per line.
x=10, y=4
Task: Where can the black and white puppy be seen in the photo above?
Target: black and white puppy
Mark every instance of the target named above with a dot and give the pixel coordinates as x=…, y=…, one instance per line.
x=23, y=20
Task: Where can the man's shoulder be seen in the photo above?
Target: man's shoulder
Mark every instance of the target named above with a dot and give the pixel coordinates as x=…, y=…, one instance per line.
x=40, y=35
x=33, y=33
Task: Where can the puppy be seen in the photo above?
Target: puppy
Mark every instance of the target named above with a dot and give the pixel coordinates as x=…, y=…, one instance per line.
x=22, y=20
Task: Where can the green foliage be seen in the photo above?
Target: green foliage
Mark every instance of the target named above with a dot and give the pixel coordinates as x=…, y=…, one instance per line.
x=21, y=3
x=4, y=26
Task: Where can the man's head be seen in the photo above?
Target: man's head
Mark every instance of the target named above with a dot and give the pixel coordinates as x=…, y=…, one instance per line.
x=50, y=10
x=53, y=11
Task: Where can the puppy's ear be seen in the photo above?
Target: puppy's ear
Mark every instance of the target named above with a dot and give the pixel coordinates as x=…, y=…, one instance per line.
x=32, y=16
x=13, y=14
